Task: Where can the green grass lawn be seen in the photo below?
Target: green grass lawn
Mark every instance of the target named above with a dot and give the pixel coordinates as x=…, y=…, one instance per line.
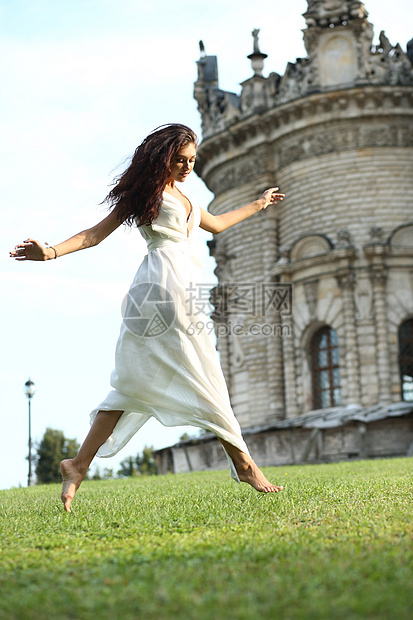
x=335, y=544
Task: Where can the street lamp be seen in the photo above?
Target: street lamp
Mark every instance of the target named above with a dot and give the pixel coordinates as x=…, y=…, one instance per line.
x=29, y=390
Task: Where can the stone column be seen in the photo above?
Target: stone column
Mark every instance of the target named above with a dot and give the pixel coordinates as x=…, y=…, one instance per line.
x=220, y=317
x=275, y=373
x=290, y=376
x=272, y=317
x=346, y=281
x=378, y=277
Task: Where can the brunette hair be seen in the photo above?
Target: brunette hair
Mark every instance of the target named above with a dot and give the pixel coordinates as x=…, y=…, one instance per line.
x=137, y=192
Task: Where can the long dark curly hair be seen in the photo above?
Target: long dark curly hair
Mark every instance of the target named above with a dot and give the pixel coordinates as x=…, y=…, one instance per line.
x=137, y=192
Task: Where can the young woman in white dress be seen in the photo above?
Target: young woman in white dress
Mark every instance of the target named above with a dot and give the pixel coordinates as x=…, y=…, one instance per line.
x=168, y=372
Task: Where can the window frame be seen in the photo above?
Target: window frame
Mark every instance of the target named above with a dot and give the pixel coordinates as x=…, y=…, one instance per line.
x=330, y=367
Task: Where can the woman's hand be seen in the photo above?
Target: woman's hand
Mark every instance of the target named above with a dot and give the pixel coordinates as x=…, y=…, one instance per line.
x=269, y=197
x=31, y=249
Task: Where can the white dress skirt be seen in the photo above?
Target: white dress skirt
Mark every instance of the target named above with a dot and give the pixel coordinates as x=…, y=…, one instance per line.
x=164, y=366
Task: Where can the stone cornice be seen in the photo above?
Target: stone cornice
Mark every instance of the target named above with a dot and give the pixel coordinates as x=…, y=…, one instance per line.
x=391, y=103
x=377, y=251
x=345, y=256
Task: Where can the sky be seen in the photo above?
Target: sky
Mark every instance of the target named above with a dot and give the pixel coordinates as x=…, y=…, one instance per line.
x=82, y=83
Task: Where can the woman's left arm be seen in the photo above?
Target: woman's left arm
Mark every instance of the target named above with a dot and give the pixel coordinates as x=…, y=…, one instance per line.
x=217, y=223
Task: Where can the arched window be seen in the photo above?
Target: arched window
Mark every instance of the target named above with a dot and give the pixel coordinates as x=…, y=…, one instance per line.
x=406, y=359
x=325, y=369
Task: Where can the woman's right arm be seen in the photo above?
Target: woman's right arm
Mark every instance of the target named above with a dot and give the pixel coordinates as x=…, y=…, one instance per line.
x=34, y=250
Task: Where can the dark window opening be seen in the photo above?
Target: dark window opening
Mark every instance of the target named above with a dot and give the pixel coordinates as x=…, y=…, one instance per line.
x=406, y=359
x=325, y=367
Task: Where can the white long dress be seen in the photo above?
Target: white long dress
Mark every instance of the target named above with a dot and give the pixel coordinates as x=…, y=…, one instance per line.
x=164, y=367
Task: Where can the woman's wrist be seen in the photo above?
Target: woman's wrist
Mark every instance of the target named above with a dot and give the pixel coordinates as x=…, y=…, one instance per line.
x=259, y=205
x=50, y=252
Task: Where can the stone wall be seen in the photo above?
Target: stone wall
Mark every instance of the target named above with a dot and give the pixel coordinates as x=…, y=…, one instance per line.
x=335, y=133
x=389, y=437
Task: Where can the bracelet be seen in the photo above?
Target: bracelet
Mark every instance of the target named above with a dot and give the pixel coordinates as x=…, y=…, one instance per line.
x=50, y=247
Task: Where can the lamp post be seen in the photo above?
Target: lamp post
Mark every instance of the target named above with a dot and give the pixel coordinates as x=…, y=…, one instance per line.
x=29, y=390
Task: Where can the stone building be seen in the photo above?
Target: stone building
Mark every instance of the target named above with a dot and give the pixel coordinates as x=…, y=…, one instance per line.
x=314, y=306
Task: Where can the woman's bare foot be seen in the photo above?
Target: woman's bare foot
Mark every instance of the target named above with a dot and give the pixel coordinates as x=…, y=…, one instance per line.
x=72, y=477
x=249, y=472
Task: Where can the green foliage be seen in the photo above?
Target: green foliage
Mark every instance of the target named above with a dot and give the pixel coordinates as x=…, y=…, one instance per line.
x=336, y=543
x=53, y=448
x=143, y=465
x=97, y=474
x=146, y=462
x=128, y=468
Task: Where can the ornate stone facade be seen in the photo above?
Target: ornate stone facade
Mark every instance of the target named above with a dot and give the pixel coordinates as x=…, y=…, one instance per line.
x=335, y=133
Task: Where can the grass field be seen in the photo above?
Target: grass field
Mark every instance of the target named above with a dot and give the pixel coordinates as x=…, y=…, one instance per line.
x=335, y=544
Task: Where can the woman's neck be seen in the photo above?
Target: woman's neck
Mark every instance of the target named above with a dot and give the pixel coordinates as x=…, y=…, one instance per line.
x=170, y=185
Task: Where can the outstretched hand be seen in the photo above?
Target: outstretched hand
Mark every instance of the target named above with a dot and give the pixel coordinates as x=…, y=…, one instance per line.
x=269, y=197
x=30, y=249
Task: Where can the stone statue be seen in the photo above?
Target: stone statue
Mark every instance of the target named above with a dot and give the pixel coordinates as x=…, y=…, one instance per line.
x=255, y=34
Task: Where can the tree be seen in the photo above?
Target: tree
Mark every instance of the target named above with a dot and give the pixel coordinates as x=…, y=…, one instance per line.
x=146, y=463
x=107, y=474
x=128, y=468
x=53, y=448
x=142, y=465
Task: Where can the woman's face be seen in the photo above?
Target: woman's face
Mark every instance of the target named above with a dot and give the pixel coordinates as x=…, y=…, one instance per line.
x=183, y=163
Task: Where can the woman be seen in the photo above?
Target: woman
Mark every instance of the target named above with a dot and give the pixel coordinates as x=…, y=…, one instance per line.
x=162, y=368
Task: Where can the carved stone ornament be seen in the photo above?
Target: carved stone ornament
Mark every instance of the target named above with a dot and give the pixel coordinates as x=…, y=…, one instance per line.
x=223, y=260
x=311, y=297
x=378, y=276
x=363, y=299
x=322, y=13
x=346, y=280
x=257, y=57
x=403, y=237
x=376, y=234
x=338, y=40
x=237, y=354
x=343, y=239
x=343, y=139
x=298, y=79
x=312, y=245
x=237, y=172
x=388, y=64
